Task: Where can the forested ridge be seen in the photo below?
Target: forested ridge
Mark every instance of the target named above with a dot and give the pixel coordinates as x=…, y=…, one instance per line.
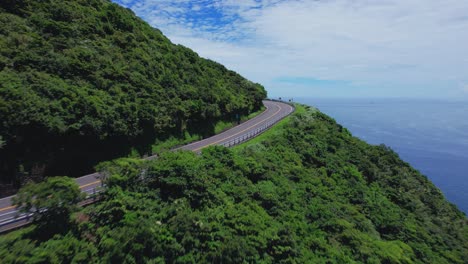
x=306, y=191
x=87, y=80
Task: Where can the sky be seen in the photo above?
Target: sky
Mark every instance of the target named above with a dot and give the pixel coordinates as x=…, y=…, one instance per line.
x=326, y=48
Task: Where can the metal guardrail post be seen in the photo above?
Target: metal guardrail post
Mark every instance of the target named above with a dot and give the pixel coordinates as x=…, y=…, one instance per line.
x=253, y=133
x=93, y=195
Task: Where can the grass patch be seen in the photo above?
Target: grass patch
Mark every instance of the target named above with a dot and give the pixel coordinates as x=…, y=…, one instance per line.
x=172, y=142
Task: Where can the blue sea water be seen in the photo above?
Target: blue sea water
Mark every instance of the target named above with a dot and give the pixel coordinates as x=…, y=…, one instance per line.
x=432, y=135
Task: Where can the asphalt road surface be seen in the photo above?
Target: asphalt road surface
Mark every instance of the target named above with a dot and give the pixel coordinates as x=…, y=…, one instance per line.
x=90, y=183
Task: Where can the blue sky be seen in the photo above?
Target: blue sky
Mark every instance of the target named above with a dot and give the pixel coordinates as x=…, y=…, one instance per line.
x=328, y=48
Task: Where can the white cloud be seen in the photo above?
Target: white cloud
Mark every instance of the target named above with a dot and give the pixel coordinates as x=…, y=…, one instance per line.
x=390, y=47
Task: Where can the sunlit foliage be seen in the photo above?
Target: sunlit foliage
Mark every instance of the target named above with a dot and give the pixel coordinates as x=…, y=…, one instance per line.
x=88, y=80
x=308, y=193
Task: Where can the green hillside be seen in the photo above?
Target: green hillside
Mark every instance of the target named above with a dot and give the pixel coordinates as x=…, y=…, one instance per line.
x=87, y=80
x=306, y=191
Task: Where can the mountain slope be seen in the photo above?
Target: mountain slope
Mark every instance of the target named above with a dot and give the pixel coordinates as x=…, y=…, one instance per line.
x=306, y=191
x=87, y=79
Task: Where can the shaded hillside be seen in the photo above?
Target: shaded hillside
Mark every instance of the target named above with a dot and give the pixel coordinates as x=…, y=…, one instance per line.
x=87, y=80
x=307, y=191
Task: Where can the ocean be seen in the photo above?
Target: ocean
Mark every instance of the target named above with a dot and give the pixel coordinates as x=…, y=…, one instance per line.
x=431, y=135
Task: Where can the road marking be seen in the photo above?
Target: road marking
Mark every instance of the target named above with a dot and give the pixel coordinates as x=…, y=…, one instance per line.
x=216, y=142
x=6, y=208
x=86, y=185
x=12, y=212
x=8, y=197
x=197, y=142
x=81, y=187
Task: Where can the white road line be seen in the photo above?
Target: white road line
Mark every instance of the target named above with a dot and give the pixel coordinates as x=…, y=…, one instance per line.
x=92, y=190
x=12, y=212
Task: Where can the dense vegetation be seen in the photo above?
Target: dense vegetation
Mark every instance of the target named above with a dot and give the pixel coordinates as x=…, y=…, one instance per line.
x=305, y=192
x=87, y=80
x=51, y=202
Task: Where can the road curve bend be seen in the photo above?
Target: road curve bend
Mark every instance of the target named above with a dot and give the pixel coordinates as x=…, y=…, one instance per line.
x=274, y=112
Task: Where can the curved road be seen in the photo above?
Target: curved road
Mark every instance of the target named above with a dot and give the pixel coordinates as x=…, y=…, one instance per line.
x=274, y=112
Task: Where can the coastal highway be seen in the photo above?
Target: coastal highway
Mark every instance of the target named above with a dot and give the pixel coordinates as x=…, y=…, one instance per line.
x=274, y=112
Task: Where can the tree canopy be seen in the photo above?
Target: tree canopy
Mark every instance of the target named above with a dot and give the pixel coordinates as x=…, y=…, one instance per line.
x=306, y=191
x=88, y=79
x=50, y=202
